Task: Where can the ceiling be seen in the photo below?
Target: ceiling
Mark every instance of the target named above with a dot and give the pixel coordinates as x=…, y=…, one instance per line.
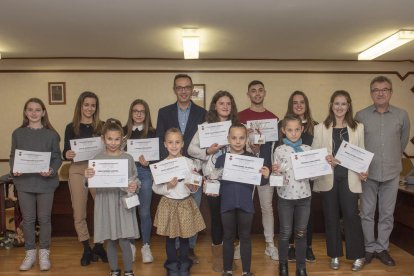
x=229, y=29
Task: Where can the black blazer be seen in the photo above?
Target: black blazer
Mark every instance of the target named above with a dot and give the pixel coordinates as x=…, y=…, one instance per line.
x=168, y=118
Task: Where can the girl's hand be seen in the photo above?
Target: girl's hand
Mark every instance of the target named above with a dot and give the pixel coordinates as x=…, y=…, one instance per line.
x=17, y=173
x=213, y=149
x=193, y=188
x=48, y=173
x=142, y=161
x=332, y=161
x=265, y=172
x=89, y=172
x=276, y=168
x=70, y=154
x=363, y=176
x=172, y=183
x=255, y=148
x=132, y=186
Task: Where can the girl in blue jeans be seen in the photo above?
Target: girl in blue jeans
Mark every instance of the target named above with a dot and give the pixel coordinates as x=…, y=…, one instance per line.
x=139, y=126
x=294, y=197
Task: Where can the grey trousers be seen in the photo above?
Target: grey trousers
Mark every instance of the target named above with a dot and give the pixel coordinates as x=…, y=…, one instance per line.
x=30, y=205
x=386, y=192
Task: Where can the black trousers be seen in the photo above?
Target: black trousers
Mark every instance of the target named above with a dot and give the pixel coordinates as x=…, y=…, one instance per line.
x=340, y=200
x=237, y=221
x=216, y=225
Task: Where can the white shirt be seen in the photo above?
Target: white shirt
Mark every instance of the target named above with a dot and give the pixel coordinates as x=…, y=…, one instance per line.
x=292, y=189
x=181, y=190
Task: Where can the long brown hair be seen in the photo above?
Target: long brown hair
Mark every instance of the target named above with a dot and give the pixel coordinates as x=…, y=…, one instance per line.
x=147, y=122
x=310, y=123
x=77, y=114
x=349, y=116
x=212, y=116
x=45, y=118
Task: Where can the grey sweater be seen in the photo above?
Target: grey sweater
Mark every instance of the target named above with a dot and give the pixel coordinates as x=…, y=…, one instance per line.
x=43, y=140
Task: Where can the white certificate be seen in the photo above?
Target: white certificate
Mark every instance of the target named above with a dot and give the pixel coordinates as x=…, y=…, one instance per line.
x=267, y=127
x=31, y=161
x=242, y=168
x=109, y=173
x=86, y=148
x=213, y=133
x=353, y=157
x=311, y=163
x=167, y=169
x=149, y=147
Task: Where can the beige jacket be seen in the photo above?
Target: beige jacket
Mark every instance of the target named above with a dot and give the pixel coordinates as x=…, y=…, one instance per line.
x=323, y=139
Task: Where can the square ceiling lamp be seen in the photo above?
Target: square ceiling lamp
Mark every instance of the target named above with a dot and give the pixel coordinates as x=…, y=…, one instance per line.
x=191, y=43
x=390, y=43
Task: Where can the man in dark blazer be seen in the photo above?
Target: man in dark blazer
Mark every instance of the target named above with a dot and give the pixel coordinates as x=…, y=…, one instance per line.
x=186, y=116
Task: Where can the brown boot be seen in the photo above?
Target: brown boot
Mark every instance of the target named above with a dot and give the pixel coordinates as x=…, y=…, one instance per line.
x=217, y=251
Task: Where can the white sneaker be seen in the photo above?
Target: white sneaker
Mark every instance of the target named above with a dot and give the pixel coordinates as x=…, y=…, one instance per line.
x=237, y=252
x=44, y=261
x=146, y=254
x=134, y=251
x=29, y=260
x=272, y=252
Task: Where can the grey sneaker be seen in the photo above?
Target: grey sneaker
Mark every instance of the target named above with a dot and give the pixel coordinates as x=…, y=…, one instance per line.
x=146, y=254
x=272, y=252
x=44, y=261
x=29, y=260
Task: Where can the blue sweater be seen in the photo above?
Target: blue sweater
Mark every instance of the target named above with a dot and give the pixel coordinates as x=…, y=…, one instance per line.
x=236, y=195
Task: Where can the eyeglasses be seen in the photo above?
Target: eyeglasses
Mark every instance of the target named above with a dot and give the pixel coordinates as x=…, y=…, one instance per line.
x=183, y=88
x=141, y=112
x=384, y=90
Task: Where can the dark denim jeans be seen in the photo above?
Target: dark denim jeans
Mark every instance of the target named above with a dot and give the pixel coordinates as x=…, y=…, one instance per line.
x=293, y=212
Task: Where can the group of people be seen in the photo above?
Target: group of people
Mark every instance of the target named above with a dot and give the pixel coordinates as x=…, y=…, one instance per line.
x=346, y=195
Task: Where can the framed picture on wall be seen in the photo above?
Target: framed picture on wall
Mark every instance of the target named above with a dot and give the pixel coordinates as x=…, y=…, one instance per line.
x=199, y=95
x=57, y=93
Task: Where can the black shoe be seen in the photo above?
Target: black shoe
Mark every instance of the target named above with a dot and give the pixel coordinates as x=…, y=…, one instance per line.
x=291, y=254
x=172, y=268
x=129, y=273
x=301, y=272
x=283, y=269
x=115, y=272
x=226, y=274
x=247, y=274
x=385, y=258
x=369, y=256
x=99, y=253
x=86, y=257
x=192, y=256
x=310, y=257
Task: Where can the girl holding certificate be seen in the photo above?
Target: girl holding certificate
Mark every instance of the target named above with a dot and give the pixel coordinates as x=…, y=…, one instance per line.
x=177, y=213
x=85, y=124
x=139, y=126
x=236, y=205
x=298, y=104
x=294, y=197
x=113, y=222
x=340, y=190
x=222, y=108
x=36, y=190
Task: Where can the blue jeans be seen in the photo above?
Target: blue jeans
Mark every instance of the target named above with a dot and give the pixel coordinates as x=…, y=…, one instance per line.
x=144, y=209
x=192, y=240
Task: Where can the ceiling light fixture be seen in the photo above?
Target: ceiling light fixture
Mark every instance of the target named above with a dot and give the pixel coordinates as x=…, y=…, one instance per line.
x=390, y=43
x=191, y=43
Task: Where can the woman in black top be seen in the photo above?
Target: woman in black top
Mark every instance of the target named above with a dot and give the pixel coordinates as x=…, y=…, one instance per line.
x=85, y=124
x=139, y=126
